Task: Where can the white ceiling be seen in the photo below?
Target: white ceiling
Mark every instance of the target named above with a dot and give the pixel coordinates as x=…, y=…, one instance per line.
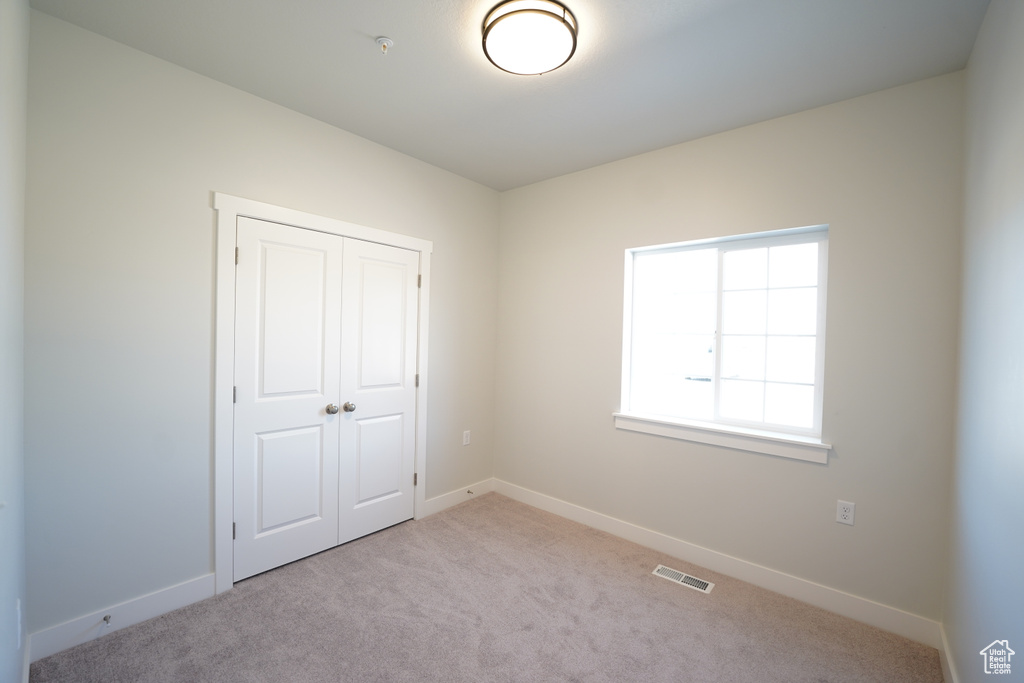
x=646, y=73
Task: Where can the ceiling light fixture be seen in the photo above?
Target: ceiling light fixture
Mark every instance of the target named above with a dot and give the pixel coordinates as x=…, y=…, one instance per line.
x=529, y=37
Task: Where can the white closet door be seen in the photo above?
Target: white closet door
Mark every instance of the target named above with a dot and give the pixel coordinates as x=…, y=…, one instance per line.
x=287, y=341
x=378, y=380
x=325, y=375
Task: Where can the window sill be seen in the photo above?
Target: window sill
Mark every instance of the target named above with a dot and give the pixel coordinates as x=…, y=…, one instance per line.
x=807, y=448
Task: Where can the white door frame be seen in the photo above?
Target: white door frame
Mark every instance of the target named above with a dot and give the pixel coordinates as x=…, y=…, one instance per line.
x=229, y=209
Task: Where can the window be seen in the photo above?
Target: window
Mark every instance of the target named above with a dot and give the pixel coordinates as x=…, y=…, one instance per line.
x=724, y=341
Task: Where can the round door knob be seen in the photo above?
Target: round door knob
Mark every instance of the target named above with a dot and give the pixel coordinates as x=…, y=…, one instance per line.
x=332, y=408
x=349, y=407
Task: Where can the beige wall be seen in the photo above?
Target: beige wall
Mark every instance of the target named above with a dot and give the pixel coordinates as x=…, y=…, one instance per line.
x=13, y=96
x=985, y=591
x=125, y=151
x=884, y=171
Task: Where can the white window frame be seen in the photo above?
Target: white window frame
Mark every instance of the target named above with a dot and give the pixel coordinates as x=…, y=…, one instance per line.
x=800, y=444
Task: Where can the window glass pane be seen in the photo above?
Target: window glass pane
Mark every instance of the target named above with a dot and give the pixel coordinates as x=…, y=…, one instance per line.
x=694, y=399
x=793, y=311
x=745, y=269
x=652, y=272
x=651, y=382
x=696, y=271
x=742, y=400
x=672, y=395
x=789, y=404
x=794, y=265
x=694, y=312
x=674, y=321
x=650, y=392
x=647, y=320
x=653, y=318
x=696, y=355
x=675, y=292
x=654, y=354
x=744, y=312
x=653, y=346
x=664, y=369
x=790, y=359
x=680, y=271
x=743, y=357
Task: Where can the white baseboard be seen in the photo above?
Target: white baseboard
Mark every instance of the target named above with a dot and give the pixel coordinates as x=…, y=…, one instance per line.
x=52, y=640
x=447, y=500
x=891, y=619
x=946, y=657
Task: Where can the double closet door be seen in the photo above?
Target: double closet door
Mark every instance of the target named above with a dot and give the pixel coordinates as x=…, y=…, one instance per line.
x=325, y=391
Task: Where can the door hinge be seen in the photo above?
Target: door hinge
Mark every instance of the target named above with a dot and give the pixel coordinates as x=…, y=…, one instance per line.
x=419, y=281
x=417, y=380
x=415, y=478
x=236, y=256
x=234, y=394
x=233, y=536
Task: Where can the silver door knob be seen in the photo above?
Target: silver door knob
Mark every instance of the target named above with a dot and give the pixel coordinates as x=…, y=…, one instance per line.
x=349, y=407
x=332, y=408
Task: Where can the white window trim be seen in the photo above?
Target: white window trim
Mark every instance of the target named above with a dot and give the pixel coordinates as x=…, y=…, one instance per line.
x=807, y=447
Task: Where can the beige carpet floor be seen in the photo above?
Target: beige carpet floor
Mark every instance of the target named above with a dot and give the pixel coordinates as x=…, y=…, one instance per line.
x=493, y=590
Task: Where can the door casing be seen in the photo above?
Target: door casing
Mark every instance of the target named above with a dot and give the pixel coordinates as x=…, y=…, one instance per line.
x=229, y=209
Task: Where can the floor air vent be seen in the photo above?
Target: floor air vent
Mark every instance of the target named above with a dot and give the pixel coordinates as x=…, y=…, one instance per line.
x=685, y=579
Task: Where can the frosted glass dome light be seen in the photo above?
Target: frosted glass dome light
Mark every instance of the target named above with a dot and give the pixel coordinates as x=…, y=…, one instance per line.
x=529, y=37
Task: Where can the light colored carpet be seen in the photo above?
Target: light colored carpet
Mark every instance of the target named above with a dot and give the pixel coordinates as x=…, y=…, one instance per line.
x=493, y=590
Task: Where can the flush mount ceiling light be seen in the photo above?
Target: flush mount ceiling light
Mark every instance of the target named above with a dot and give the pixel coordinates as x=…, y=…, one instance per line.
x=529, y=37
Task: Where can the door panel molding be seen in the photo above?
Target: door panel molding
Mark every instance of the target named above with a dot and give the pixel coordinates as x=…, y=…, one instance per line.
x=229, y=209
x=378, y=374
x=288, y=301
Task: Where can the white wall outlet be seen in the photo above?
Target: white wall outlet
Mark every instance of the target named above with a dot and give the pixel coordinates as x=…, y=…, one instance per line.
x=845, y=512
x=465, y=438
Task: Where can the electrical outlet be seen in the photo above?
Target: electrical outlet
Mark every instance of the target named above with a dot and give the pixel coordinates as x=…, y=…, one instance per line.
x=845, y=512
x=465, y=438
